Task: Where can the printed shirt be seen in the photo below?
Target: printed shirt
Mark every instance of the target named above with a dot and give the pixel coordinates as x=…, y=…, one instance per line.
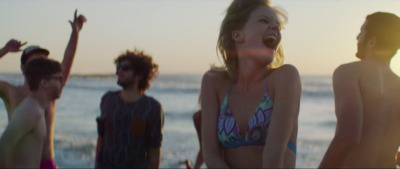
x=128, y=131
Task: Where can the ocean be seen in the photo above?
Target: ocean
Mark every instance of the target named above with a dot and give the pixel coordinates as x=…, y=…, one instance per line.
x=75, y=132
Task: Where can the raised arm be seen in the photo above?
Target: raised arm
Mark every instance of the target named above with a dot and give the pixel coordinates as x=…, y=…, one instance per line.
x=5, y=89
x=348, y=105
x=287, y=91
x=69, y=54
x=209, y=104
x=11, y=46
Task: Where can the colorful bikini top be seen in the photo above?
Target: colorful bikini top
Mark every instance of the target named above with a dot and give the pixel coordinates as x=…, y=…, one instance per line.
x=257, y=129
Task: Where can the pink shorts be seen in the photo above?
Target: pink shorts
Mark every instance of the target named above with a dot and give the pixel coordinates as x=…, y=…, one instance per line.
x=48, y=164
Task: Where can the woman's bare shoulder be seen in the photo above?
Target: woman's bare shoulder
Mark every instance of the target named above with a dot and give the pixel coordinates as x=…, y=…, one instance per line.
x=287, y=71
x=216, y=77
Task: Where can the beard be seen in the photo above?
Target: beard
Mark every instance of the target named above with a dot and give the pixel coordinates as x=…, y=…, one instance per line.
x=126, y=83
x=361, y=50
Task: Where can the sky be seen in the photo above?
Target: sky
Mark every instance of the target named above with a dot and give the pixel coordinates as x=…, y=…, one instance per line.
x=181, y=35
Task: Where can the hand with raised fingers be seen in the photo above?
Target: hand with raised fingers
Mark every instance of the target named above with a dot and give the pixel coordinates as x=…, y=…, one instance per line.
x=77, y=24
x=14, y=45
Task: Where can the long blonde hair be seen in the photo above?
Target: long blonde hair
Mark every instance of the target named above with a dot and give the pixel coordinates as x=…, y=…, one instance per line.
x=236, y=17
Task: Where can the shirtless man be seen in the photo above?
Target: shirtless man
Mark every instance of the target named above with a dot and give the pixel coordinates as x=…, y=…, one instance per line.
x=22, y=142
x=367, y=100
x=14, y=95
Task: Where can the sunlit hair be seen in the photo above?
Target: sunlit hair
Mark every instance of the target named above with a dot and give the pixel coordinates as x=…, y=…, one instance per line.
x=142, y=65
x=39, y=69
x=236, y=17
x=385, y=27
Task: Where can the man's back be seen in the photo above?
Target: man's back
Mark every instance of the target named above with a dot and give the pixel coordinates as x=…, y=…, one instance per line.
x=379, y=89
x=25, y=135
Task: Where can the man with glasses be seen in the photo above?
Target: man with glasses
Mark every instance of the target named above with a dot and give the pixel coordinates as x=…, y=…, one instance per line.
x=130, y=125
x=13, y=95
x=21, y=145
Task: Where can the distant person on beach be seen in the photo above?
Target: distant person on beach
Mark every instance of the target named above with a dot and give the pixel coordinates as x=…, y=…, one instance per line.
x=21, y=145
x=250, y=106
x=367, y=100
x=14, y=95
x=197, y=124
x=199, y=158
x=130, y=126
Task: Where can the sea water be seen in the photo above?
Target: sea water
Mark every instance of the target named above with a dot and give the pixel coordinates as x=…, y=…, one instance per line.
x=75, y=130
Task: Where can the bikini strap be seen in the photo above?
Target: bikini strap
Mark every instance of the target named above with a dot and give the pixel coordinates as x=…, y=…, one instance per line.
x=225, y=101
x=227, y=95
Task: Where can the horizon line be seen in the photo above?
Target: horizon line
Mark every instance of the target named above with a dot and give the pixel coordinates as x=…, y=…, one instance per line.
x=113, y=74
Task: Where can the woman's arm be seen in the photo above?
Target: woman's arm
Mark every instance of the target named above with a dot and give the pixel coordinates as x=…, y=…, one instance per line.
x=209, y=104
x=287, y=90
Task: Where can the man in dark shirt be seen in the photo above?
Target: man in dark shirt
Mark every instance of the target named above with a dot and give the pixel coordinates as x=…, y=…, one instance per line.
x=130, y=124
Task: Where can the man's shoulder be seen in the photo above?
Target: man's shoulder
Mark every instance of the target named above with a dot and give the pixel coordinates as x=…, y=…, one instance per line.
x=9, y=88
x=11, y=94
x=352, y=69
x=111, y=94
x=152, y=101
x=29, y=107
x=5, y=84
x=350, y=65
x=357, y=66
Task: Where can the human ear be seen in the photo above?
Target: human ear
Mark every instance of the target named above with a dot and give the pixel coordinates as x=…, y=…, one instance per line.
x=372, y=41
x=44, y=83
x=237, y=36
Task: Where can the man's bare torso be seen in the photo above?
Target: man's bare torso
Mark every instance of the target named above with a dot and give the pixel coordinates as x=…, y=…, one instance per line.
x=15, y=95
x=379, y=88
x=28, y=150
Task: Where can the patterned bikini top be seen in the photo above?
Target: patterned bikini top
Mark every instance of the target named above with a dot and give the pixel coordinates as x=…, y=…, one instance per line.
x=257, y=129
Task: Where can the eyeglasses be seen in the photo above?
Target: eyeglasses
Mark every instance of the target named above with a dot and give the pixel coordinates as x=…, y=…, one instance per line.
x=124, y=67
x=59, y=78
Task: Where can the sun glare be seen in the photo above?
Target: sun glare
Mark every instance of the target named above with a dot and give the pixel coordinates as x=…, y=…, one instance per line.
x=395, y=64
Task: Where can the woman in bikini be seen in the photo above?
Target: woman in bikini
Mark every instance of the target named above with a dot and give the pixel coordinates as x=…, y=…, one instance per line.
x=250, y=106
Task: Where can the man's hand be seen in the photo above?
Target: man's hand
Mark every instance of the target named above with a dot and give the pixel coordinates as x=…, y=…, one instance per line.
x=14, y=45
x=77, y=24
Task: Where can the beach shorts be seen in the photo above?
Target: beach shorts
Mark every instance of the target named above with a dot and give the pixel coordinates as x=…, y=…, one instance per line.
x=48, y=164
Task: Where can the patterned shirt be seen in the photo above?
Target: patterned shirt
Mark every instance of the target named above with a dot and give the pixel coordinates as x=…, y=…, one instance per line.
x=128, y=131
